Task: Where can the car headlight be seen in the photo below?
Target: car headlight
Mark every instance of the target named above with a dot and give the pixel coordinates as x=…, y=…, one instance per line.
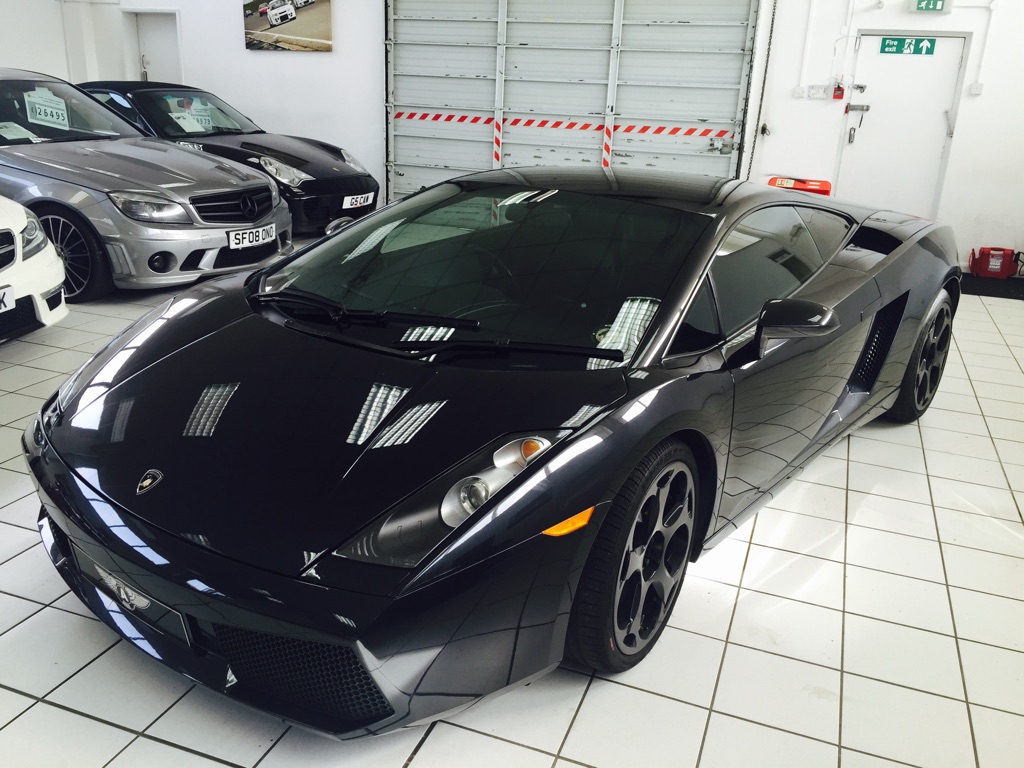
x=406, y=535
x=143, y=206
x=33, y=236
x=283, y=172
x=351, y=160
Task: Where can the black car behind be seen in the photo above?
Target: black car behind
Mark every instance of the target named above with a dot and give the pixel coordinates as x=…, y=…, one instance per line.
x=320, y=181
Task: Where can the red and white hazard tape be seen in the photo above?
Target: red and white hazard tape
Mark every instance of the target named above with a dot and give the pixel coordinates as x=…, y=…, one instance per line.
x=569, y=125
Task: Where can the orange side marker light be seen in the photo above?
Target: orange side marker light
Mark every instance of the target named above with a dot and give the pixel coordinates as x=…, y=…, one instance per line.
x=570, y=524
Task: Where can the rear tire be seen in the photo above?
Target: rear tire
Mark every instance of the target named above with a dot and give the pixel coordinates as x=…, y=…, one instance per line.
x=86, y=267
x=926, y=364
x=633, y=575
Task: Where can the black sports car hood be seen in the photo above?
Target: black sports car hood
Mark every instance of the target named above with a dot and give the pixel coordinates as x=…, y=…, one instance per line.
x=321, y=161
x=272, y=446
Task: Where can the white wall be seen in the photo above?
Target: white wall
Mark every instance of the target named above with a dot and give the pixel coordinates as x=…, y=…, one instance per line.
x=983, y=191
x=32, y=36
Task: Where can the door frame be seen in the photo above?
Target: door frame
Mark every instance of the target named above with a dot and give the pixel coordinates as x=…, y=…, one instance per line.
x=954, y=111
x=132, y=52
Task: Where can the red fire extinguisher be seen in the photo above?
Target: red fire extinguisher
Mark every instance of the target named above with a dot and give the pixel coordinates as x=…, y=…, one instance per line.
x=994, y=262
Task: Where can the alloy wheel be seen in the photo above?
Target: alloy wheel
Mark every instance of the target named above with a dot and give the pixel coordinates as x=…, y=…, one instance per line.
x=933, y=357
x=73, y=249
x=655, y=558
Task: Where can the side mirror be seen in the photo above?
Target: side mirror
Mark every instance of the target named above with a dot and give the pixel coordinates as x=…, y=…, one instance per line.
x=792, y=319
x=338, y=224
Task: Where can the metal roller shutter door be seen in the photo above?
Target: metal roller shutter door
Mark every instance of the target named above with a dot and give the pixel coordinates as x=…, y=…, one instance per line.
x=503, y=83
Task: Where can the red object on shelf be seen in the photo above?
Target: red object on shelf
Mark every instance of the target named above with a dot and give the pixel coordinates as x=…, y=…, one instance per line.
x=993, y=262
x=817, y=186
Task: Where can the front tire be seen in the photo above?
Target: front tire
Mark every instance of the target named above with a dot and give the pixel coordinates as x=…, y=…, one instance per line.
x=86, y=267
x=635, y=569
x=926, y=364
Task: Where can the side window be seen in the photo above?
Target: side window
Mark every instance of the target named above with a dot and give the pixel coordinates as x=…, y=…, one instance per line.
x=119, y=104
x=767, y=255
x=828, y=229
x=699, y=329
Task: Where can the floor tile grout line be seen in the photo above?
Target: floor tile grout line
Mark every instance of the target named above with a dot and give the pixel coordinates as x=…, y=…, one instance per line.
x=419, y=744
x=503, y=739
x=575, y=714
x=725, y=645
x=41, y=701
x=952, y=617
x=842, y=631
x=269, y=749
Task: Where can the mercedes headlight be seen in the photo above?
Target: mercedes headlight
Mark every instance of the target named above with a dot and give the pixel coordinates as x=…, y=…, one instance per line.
x=350, y=159
x=283, y=172
x=406, y=535
x=33, y=236
x=150, y=208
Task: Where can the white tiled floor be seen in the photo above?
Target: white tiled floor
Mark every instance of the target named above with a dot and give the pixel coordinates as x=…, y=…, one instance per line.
x=873, y=616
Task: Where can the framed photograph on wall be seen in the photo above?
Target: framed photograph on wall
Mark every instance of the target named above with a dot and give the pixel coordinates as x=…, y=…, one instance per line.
x=287, y=25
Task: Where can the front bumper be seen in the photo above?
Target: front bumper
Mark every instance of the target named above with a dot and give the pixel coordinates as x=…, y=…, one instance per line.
x=347, y=663
x=315, y=204
x=37, y=293
x=195, y=251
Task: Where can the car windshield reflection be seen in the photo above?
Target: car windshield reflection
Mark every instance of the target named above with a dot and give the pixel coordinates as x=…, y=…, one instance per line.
x=33, y=112
x=188, y=113
x=528, y=265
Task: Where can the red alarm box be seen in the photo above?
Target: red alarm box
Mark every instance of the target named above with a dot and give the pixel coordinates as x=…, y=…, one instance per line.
x=993, y=262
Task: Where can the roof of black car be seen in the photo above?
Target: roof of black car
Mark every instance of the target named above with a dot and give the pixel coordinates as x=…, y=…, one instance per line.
x=690, y=189
x=127, y=86
x=24, y=74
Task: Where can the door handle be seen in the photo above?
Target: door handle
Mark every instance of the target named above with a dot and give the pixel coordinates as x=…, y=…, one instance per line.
x=949, y=124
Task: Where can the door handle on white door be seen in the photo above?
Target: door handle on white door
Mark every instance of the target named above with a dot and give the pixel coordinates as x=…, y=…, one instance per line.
x=949, y=124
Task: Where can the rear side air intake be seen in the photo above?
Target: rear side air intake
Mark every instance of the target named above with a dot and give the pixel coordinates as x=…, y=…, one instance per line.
x=876, y=350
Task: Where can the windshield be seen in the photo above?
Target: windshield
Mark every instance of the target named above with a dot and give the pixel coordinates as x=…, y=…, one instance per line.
x=177, y=114
x=32, y=112
x=528, y=264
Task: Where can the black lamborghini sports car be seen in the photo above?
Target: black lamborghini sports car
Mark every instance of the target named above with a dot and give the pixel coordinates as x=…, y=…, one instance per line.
x=476, y=433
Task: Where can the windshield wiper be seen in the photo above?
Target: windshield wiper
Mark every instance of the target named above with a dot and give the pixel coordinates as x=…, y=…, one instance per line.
x=339, y=315
x=503, y=346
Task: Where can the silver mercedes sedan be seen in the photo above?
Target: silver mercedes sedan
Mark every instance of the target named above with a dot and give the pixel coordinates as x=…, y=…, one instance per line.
x=125, y=210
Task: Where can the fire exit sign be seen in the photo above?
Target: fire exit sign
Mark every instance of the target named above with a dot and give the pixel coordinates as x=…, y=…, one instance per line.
x=909, y=46
x=933, y=6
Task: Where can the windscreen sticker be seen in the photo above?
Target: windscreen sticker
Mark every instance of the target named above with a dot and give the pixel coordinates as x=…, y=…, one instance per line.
x=44, y=108
x=187, y=123
x=13, y=132
x=202, y=116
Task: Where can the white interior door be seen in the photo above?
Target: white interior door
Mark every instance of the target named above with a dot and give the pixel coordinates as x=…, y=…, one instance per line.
x=899, y=127
x=160, y=54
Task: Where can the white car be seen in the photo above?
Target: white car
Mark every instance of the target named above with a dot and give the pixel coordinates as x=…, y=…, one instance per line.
x=280, y=11
x=31, y=273
x=300, y=3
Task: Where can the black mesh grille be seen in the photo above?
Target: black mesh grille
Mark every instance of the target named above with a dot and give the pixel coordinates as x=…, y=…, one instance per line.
x=883, y=331
x=240, y=257
x=22, y=317
x=191, y=262
x=53, y=300
x=243, y=206
x=318, y=676
x=7, y=249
